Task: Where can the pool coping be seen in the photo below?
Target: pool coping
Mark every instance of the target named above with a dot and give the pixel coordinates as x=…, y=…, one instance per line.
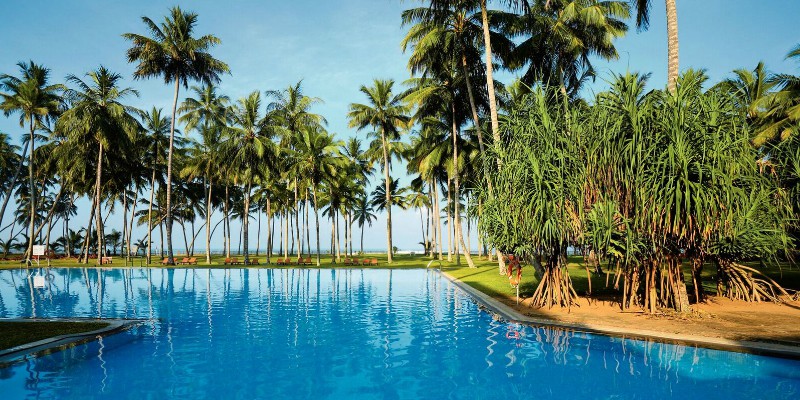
x=741, y=346
x=61, y=342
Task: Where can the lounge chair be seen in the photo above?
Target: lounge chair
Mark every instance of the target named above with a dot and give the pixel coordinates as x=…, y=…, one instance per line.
x=279, y=261
x=254, y=261
x=348, y=261
x=165, y=261
x=235, y=261
x=227, y=261
x=307, y=261
x=184, y=261
x=106, y=260
x=192, y=261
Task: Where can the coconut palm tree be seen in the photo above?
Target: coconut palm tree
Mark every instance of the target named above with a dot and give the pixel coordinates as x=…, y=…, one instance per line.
x=558, y=38
x=172, y=52
x=98, y=116
x=318, y=160
x=208, y=113
x=156, y=144
x=389, y=116
x=37, y=103
x=246, y=147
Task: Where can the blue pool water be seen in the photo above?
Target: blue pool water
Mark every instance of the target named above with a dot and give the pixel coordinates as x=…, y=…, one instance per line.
x=344, y=334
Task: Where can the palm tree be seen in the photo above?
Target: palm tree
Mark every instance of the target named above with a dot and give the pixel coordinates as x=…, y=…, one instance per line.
x=246, y=148
x=560, y=36
x=643, y=22
x=157, y=143
x=363, y=214
x=98, y=116
x=208, y=113
x=388, y=115
x=37, y=103
x=783, y=113
x=174, y=54
x=318, y=157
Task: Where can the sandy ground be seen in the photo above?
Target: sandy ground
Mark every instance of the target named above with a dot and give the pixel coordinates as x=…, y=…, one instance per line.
x=717, y=318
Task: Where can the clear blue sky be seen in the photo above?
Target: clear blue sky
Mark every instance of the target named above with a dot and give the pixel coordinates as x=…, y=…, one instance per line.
x=336, y=46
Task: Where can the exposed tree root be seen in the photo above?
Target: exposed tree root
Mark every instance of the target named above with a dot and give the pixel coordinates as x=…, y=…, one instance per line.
x=739, y=282
x=555, y=287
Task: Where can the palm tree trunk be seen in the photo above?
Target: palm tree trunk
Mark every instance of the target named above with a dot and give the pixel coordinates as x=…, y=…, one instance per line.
x=133, y=213
x=388, y=182
x=316, y=219
x=124, y=222
x=362, y=238
x=672, y=44
x=285, y=218
x=297, y=219
x=438, y=218
x=88, y=237
x=227, y=239
x=475, y=120
x=270, y=228
x=170, y=256
x=209, y=210
x=97, y=199
x=487, y=45
x=31, y=236
x=258, y=231
x=150, y=218
x=456, y=195
x=336, y=232
x=308, y=225
x=246, y=223
x=449, y=222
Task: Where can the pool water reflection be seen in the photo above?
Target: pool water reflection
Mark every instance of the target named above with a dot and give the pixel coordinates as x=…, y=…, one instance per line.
x=308, y=333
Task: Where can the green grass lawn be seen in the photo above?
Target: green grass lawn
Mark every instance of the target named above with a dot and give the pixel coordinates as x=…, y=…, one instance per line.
x=18, y=333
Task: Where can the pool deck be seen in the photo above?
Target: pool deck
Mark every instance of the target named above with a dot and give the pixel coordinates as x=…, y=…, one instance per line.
x=511, y=315
x=56, y=343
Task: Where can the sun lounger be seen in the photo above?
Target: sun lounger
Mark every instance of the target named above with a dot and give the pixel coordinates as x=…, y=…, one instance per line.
x=279, y=262
x=106, y=260
x=165, y=261
x=184, y=261
x=254, y=261
x=192, y=261
x=307, y=261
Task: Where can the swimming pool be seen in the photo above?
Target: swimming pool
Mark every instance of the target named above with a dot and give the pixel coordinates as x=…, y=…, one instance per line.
x=348, y=334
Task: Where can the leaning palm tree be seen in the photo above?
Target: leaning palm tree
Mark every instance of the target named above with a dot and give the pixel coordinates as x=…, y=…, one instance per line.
x=174, y=54
x=156, y=145
x=37, y=103
x=98, y=116
x=389, y=116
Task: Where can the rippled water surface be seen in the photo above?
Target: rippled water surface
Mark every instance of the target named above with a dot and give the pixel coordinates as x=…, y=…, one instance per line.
x=346, y=334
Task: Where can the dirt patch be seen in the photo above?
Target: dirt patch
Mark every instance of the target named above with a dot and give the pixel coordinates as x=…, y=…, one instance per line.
x=718, y=318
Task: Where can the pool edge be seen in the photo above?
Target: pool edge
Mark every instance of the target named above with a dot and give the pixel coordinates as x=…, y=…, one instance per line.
x=62, y=342
x=508, y=313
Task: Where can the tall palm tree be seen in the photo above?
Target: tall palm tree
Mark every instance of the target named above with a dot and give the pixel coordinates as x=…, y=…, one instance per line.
x=208, y=113
x=782, y=116
x=388, y=115
x=318, y=157
x=643, y=22
x=98, y=116
x=246, y=147
x=174, y=54
x=157, y=142
x=37, y=103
